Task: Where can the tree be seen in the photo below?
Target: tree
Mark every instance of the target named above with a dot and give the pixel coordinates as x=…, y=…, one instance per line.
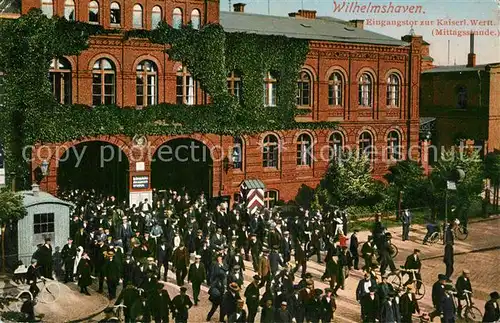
x=406, y=180
x=305, y=196
x=348, y=181
x=11, y=209
x=492, y=171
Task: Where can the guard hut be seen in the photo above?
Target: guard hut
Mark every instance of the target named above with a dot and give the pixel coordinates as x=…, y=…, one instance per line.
x=252, y=192
x=47, y=217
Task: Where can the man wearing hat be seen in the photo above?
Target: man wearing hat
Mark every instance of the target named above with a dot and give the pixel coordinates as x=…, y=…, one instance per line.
x=438, y=293
x=112, y=274
x=32, y=276
x=491, y=309
x=353, y=248
x=264, y=269
x=414, y=264
x=180, y=260
x=197, y=275
x=228, y=305
x=286, y=246
x=408, y=305
x=236, y=276
x=367, y=251
x=275, y=261
x=448, y=309
x=463, y=284
x=283, y=315
x=180, y=306
x=252, y=295
x=328, y=306
x=255, y=248
x=387, y=309
x=44, y=255
x=448, y=259
x=68, y=254
x=370, y=306
x=239, y=316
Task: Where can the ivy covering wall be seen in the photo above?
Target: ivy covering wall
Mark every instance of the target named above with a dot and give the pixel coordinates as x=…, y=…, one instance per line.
x=30, y=113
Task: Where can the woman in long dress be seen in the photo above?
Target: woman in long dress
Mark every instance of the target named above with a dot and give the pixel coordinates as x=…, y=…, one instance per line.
x=79, y=254
x=84, y=278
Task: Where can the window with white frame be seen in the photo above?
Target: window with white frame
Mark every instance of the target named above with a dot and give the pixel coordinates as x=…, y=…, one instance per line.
x=177, y=18
x=365, y=90
x=146, y=84
x=48, y=8
x=103, y=82
x=186, y=87
x=43, y=223
x=394, y=145
x=270, y=198
x=69, y=10
x=234, y=84
x=195, y=19
x=366, y=144
x=60, y=80
x=393, y=90
x=270, y=152
x=137, y=16
x=335, y=89
x=270, y=89
x=93, y=12
x=156, y=17
x=336, y=145
x=304, y=88
x=237, y=154
x=304, y=150
x=115, y=14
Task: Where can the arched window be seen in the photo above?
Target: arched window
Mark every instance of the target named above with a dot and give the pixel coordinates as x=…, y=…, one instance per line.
x=115, y=14
x=48, y=8
x=177, y=18
x=393, y=90
x=93, y=12
x=2, y=89
x=304, y=150
x=304, y=88
x=103, y=82
x=195, y=19
x=155, y=17
x=69, y=10
x=146, y=84
x=60, y=80
x=393, y=145
x=335, y=89
x=137, y=16
x=270, y=198
x=234, y=84
x=462, y=97
x=186, y=87
x=336, y=143
x=270, y=152
x=270, y=89
x=365, y=90
x=366, y=144
x=237, y=153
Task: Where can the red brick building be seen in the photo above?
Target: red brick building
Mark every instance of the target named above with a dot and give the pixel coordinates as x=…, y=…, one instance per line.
x=367, y=82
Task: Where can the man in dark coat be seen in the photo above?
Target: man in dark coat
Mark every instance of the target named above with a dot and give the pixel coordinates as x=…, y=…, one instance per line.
x=239, y=316
x=236, y=276
x=438, y=292
x=112, y=274
x=165, y=305
x=413, y=263
x=491, y=309
x=387, y=312
x=283, y=314
x=462, y=285
x=32, y=276
x=99, y=260
x=255, y=248
x=367, y=252
x=448, y=306
x=181, y=262
x=300, y=258
x=364, y=286
x=252, y=296
x=286, y=246
x=268, y=312
x=353, y=248
x=164, y=254
x=129, y=295
x=45, y=259
x=328, y=306
x=406, y=222
x=68, y=254
x=275, y=261
x=408, y=305
x=196, y=275
x=228, y=305
x=448, y=259
x=370, y=307
x=180, y=306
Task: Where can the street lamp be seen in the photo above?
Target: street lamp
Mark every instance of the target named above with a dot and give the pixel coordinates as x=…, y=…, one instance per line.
x=44, y=167
x=235, y=158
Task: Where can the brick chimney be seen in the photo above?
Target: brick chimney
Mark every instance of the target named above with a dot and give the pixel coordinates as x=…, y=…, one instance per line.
x=304, y=14
x=357, y=23
x=239, y=7
x=471, y=57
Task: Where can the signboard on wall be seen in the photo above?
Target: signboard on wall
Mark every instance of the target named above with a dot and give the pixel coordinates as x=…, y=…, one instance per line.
x=140, y=182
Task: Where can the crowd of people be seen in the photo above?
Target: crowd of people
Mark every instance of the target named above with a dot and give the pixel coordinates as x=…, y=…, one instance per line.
x=136, y=246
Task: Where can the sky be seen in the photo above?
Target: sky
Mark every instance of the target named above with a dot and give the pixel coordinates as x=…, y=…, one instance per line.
x=428, y=19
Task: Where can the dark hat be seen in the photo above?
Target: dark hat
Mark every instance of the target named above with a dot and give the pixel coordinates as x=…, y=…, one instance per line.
x=494, y=295
x=146, y=232
x=234, y=287
x=308, y=275
x=318, y=292
x=442, y=277
x=256, y=277
x=34, y=261
x=392, y=293
x=265, y=250
x=370, y=237
x=416, y=250
x=328, y=290
x=69, y=238
x=448, y=287
x=47, y=239
x=183, y=289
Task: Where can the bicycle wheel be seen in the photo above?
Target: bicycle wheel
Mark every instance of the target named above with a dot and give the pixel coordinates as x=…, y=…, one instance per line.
x=394, y=250
x=434, y=237
x=473, y=314
x=419, y=292
x=461, y=233
x=394, y=280
x=50, y=293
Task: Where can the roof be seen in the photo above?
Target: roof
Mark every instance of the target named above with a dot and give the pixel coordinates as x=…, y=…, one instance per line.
x=253, y=184
x=458, y=68
x=324, y=28
x=425, y=120
x=10, y=7
x=43, y=198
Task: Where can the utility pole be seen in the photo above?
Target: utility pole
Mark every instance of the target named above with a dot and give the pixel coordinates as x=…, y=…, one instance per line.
x=268, y=7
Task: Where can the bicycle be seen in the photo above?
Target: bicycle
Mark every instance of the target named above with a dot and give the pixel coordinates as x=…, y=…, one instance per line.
x=48, y=294
x=470, y=312
x=395, y=279
x=119, y=311
x=459, y=231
